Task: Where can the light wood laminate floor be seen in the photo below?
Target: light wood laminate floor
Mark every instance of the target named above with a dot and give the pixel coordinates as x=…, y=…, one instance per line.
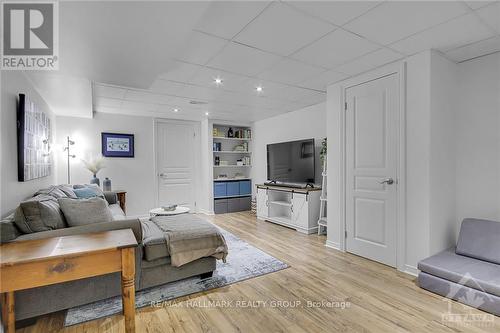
x=381, y=298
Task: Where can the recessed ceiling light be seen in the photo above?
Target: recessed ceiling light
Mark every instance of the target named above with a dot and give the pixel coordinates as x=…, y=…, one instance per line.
x=206, y=113
x=176, y=110
x=258, y=89
x=218, y=81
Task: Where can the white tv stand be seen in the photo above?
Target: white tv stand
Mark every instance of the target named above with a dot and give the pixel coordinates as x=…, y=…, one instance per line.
x=296, y=208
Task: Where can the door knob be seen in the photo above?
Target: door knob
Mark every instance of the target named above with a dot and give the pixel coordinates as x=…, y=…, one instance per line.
x=388, y=181
x=162, y=175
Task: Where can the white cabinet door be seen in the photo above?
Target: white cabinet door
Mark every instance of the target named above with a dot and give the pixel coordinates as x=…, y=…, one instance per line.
x=300, y=211
x=262, y=206
x=372, y=158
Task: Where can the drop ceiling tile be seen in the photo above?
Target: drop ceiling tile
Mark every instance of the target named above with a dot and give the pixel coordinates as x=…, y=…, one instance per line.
x=477, y=4
x=109, y=91
x=460, y=31
x=146, y=97
x=269, y=89
x=491, y=15
x=129, y=105
x=323, y=80
x=282, y=30
x=336, y=12
x=291, y=71
x=394, y=20
x=180, y=71
x=295, y=94
x=200, y=93
x=369, y=61
x=167, y=87
x=334, y=49
x=241, y=59
x=226, y=18
x=206, y=77
x=108, y=102
x=474, y=50
x=200, y=48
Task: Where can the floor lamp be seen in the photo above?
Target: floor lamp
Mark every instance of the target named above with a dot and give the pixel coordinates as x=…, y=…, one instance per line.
x=69, y=143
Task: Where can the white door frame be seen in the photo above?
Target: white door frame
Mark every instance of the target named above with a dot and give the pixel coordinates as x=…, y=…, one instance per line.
x=400, y=70
x=196, y=155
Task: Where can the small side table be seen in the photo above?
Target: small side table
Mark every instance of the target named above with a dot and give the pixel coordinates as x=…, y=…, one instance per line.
x=42, y=262
x=121, y=195
x=161, y=212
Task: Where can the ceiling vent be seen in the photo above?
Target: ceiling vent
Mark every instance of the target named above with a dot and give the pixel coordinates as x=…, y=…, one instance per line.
x=197, y=102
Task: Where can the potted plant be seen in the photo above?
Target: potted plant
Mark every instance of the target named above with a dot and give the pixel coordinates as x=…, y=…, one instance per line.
x=94, y=165
x=323, y=151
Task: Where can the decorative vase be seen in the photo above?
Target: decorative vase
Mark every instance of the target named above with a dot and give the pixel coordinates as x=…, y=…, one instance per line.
x=230, y=133
x=95, y=180
x=106, y=184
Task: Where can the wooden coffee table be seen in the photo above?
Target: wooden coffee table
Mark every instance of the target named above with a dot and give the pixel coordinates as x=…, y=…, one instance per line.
x=41, y=262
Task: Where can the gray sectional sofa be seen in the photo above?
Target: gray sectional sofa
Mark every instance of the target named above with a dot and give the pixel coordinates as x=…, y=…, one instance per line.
x=152, y=258
x=469, y=273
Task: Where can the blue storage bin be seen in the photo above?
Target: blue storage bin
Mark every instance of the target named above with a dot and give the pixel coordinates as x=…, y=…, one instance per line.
x=245, y=187
x=220, y=189
x=233, y=188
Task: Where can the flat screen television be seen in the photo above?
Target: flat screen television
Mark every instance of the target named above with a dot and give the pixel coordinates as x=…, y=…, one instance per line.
x=291, y=162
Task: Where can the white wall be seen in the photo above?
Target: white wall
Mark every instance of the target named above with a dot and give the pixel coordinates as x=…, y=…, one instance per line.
x=12, y=191
x=478, y=139
x=306, y=123
x=418, y=135
x=135, y=175
x=442, y=177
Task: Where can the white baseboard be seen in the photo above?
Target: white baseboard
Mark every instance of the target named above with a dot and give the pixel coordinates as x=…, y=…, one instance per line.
x=206, y=212
x=410, y=270
x=333, y=245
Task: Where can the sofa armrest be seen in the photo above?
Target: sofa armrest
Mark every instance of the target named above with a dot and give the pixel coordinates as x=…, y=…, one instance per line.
x=133, y=224
x=111, y=197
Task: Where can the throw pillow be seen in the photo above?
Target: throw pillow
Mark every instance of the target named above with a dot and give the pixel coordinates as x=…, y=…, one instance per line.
x=85, y=211
x=57, y=191
x=85, y=193
x=40, y=213
x=94, y=187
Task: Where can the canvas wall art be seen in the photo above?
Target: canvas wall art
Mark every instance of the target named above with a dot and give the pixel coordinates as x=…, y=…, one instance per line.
x=34, y=136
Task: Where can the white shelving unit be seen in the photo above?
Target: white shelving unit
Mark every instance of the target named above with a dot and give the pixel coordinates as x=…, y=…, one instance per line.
x=228, y=151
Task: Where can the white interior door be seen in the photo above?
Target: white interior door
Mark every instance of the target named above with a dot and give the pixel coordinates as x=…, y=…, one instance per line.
x=371, y=165
x=175, y=158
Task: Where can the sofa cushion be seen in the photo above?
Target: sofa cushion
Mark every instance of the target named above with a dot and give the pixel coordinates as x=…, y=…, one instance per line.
x=8, y=229
x=116, y=212
x=40, y=213
x=153, y=241
x=480, y=239
x=473, y=273
x=472, y=297
x=85, y=211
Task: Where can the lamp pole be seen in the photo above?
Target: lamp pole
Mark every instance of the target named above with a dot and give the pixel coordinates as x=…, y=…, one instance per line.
x=69, y=143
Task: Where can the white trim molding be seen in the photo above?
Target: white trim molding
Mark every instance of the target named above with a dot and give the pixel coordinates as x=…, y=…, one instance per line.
x=333, y=245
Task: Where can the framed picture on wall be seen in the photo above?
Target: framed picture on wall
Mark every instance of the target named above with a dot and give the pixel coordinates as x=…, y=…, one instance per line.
x=34, y=135
x=117, y=145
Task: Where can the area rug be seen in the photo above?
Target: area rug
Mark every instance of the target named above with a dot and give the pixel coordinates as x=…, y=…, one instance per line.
x=243, y=262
